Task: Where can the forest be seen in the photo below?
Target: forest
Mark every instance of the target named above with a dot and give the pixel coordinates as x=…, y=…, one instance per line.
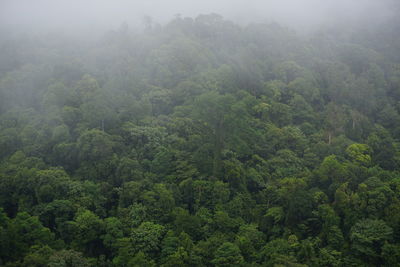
x=201, y=142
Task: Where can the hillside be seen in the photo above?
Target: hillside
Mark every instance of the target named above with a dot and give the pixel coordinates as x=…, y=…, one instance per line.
x=201, y=143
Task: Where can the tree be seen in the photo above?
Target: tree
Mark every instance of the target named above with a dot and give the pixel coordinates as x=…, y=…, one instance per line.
x=215, y=110
x=228, y=254
x=359, y=153
x=330, y=174
x=96, y=154
x=95, y=145
x=38, y=256
x=147, y=238
x=189, y=224
x=140, y=259
x=112, y=232
x=26, y=231
x=179, y=258
x=67, y=258
x=249, y=240
x=335, y=120
x=368, y=236
x=88, y=228
x=280, y=252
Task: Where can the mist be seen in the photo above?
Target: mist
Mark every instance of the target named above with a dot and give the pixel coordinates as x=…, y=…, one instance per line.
x=100, y=15
x=199, y=133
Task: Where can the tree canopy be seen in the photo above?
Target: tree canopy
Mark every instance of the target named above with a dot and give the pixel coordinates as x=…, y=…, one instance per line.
x=201, y=143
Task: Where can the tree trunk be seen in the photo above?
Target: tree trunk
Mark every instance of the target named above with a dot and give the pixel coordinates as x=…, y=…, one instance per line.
x=218, y=146
x=329, y=138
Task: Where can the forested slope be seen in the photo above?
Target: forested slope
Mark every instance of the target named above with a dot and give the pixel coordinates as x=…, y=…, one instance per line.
x=201, y=143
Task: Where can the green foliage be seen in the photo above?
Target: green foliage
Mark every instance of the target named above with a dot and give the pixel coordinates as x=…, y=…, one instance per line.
x=66, y=258
x=359, y=154
x=147, y=237
x=368, y=237
x=228, y=254
x=201, y=143
x=87, y=228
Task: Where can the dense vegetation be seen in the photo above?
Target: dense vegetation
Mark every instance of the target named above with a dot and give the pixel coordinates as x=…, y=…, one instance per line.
x=201, y=143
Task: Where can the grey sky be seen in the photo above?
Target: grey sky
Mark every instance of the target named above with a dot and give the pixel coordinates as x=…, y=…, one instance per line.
x=107, y=14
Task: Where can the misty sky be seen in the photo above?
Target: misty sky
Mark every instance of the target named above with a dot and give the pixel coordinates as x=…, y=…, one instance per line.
x=109, y=14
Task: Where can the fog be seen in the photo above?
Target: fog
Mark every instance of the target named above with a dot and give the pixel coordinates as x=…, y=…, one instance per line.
x=74, y=15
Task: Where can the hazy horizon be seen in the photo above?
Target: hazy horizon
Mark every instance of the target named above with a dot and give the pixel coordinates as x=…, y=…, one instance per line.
x=105, y=15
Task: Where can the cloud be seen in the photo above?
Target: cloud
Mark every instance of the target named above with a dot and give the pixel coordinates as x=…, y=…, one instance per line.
x=107, y=14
